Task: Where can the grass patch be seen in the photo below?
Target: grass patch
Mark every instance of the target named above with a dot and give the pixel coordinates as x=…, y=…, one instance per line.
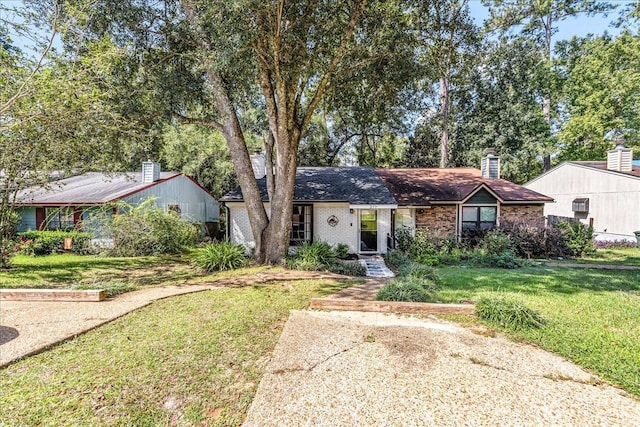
x=195, y=359
x=617, y=256
x=112, y=288
x=508, y=313
x=68, y=270
x=592, y=316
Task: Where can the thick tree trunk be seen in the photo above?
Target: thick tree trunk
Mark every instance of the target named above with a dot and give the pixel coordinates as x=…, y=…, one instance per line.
x=241, y=162
x=444, y=116
x=284, y=86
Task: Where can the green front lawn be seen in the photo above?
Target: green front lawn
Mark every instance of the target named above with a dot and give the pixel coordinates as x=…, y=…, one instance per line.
x=619, y=256
x=68, y=270
x=194, y=360
x=593, y=316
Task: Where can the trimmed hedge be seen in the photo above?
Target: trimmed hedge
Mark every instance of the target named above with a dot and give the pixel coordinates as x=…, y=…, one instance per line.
x=47, y=242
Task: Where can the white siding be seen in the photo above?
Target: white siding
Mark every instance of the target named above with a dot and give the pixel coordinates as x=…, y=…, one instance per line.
x=614, y=199
x=195, y=203
x=346, y=231
x=239, y=226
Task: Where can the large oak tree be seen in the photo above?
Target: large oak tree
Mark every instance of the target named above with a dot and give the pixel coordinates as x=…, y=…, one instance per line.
x=226, y=57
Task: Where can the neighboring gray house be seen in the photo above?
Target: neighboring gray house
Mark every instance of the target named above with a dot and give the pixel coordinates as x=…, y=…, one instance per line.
x=81, y=200
x=604, y=194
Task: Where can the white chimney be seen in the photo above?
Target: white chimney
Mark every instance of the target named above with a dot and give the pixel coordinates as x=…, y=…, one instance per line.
x=150, y=171
x=258, y=164
x=490, y=165
x=620, y=159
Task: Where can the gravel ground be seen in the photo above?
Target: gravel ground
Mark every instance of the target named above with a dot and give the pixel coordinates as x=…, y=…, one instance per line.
x=356, y=369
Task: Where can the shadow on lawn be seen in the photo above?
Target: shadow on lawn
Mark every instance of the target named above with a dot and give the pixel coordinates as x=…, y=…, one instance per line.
x=533, y=280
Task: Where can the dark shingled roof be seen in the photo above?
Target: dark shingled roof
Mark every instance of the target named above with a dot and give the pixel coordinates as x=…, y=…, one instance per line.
x=93, y=188
x=602, y=165
x=421, y=187
x=355, y=185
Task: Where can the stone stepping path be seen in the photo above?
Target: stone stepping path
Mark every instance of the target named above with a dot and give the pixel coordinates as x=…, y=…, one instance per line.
x=376, y=267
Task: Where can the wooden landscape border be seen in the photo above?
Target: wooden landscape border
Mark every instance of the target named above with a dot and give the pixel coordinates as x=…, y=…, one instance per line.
x=69, y=295
x=390, y=306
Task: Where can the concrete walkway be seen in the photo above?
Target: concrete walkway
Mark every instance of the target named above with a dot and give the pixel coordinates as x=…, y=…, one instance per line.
x=376, y=267
x=29, y=327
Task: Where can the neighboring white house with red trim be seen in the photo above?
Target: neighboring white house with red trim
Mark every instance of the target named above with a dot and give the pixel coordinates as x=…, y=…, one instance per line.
x=71, y=202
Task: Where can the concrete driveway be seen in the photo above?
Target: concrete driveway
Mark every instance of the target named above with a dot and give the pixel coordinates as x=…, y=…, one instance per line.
x=362, y=369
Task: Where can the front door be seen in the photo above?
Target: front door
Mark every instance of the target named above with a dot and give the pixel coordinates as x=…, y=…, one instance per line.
x=368, y=230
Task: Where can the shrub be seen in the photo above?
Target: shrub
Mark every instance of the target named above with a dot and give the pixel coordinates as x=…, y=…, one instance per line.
x=47, y=242
x=7, y=252
x=472, y=239
x=535, y=242
x=419, y=271
x=148, y=230
x=614, y=244
x=219, y=256
x=508, y=313
x=317, y=253
x=505, y=260
x=396, y=259
x=579, y=237
x=342, y=251
x=403, y=290
x=348, y=268
x=495, y=243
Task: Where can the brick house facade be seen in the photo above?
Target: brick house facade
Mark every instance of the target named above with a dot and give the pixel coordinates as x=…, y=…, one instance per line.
x=439, y=220
x=523, y=214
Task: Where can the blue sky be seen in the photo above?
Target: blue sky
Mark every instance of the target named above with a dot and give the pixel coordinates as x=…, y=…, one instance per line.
x=580, y=26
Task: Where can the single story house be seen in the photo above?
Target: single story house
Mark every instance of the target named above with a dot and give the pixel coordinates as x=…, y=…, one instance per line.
x=603, y=194
x=83, y=201
x=349, y=205
x=362, y=207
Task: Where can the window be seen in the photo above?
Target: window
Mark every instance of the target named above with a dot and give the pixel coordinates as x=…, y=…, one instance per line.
x=301, y=221
x=59, y=218
x=479, y=217
x=403, y=219
x=175, y=209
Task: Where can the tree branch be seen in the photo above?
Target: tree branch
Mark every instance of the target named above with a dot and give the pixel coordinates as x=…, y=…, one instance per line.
x=197, y=121
x=322, y=86
x=21, y=93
